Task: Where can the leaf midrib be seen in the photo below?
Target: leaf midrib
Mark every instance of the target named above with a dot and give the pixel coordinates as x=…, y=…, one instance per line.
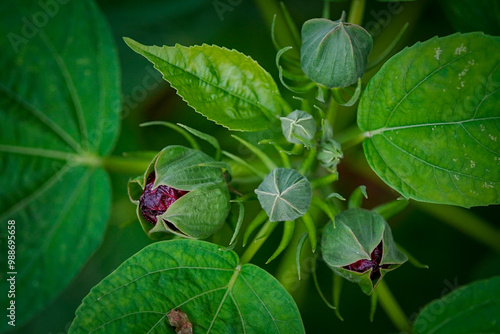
x=41, y=117
x=435, y=166
x=375, y=132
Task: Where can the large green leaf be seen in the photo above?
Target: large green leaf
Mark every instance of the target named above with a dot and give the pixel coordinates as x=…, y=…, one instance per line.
x=224, y=85
x=59, y=100
x=432, y=121
x=474, y=308
x=198, y=278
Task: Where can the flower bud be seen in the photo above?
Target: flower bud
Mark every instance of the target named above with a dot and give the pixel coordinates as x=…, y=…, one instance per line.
x=183, y=192
x=334, y=53
x=360, y=247
x=329, y=155
x=298, y=127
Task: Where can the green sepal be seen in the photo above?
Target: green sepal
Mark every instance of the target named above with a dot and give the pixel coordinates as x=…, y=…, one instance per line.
x=357, y=232
x=135, y=188
x=334, y=53
x=185, y=169
x=200, y=213
x=284, y=194
x=197, y=214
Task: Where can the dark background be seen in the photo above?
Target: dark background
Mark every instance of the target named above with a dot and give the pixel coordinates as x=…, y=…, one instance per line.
x=453, y=258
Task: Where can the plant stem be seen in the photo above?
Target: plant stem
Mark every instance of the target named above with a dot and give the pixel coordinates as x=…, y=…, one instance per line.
x=466, y=222
x=258, y=241
x=125, y=165
x=324, y=181
x=356, y=12
x=331, y=112
x=308, y=162
x=326, y=10
x=392, y=308
x=351, y=137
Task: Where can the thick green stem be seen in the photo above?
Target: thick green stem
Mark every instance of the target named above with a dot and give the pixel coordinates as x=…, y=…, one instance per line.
x=466, y=222
x=351, y=137
x=258, y=241
x=356, y=12
x=308, y=162
x=125, y=165
x=324, y=181
x=331, y=112
x=326, y=10
x=392, y=308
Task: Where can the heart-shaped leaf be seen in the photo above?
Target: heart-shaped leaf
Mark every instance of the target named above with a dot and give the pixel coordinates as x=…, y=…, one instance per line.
x=431, y=115
x=224, y=85
x=473, y=308
x=196, y=278
x=59, y=109
x=284, y=194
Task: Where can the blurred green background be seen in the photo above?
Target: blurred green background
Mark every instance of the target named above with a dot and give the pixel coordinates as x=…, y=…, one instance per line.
x=453, y=258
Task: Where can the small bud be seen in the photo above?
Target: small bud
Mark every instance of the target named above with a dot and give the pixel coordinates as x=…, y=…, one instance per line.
x=298, y=127
x=184, y=192
x=334, y=53
x=360, y=248
x=284, y=194
x=330, y=154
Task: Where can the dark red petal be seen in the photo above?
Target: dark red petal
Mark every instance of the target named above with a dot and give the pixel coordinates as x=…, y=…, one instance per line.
x=363, y=265
x=154, y=202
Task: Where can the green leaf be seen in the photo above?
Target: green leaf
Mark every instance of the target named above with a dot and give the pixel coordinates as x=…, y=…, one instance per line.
x=206, y=283
x=59, y=111
x=284, y=194
x=473, y=308
x=224, y=85
x=431, y=116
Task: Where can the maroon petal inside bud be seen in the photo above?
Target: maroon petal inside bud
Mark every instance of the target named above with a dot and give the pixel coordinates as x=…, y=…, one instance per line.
x=374, y=263
x=155, y=201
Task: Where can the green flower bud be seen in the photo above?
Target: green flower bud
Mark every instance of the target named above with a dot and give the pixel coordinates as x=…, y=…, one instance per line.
x=284, y=194
x=329, y=155
x=334, y=53
x=183, y=192
x=360, y=248
x=298, y=127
